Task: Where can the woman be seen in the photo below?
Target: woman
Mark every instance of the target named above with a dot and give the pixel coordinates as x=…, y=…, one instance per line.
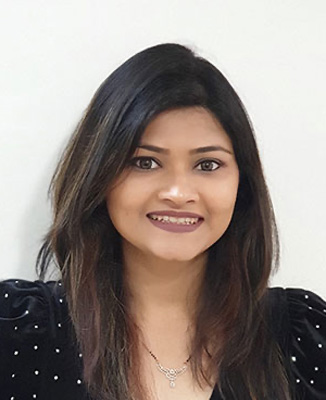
x=165, y=237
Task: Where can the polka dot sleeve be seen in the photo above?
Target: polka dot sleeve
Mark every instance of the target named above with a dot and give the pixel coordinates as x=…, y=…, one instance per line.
x=38, y=358
x=307, y=343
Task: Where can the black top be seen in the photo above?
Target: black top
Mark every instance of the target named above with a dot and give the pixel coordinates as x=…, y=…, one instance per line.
x=39, y=360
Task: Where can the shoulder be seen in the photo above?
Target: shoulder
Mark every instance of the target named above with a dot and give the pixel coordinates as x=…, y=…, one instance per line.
x=297, y=310
x=27, y=301
x=31, y=313
x=38, y=353
x=298, y=318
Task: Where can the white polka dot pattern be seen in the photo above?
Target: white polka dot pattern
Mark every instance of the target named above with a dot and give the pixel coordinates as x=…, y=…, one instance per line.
x=307, y=339
x=42, y=362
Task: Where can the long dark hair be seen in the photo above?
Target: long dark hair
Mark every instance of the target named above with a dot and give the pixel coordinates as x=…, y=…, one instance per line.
x=86, y=247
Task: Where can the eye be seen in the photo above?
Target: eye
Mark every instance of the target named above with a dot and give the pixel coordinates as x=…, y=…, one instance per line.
x=143, y=162
x=207, y=165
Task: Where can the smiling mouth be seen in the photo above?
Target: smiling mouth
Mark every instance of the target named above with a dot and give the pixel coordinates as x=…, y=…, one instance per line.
x=174, y=220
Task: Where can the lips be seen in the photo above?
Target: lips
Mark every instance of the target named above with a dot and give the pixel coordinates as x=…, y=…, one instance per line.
x=189, y=222
x=177, y=214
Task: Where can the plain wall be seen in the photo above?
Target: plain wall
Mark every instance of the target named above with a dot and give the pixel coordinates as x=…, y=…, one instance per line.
x=55, y=54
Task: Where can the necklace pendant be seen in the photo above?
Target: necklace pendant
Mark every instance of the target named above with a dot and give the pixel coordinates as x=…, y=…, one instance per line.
x=170, y=373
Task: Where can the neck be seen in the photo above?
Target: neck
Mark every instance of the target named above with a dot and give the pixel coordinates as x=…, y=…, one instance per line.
x=159, y=287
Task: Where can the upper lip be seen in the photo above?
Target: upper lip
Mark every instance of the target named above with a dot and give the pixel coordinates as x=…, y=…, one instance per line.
x=178, y=214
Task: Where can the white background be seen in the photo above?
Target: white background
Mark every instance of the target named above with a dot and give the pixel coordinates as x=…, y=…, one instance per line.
x=55, y=54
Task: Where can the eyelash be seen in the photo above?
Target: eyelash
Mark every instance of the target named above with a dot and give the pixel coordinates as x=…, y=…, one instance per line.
x=134, y=161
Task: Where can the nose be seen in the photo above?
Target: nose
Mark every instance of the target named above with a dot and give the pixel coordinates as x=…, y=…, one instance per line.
x=179, y=191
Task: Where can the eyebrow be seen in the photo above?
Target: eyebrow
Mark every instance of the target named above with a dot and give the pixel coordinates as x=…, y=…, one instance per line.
x=205, y=149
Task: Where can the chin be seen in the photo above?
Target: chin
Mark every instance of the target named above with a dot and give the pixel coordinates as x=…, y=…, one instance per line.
x=177, y=256
x=177, y=251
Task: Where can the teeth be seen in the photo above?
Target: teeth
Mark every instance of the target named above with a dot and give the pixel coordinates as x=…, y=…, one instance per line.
x=174, y=220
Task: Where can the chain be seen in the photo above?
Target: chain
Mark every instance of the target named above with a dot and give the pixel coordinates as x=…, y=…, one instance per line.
x=170, y=373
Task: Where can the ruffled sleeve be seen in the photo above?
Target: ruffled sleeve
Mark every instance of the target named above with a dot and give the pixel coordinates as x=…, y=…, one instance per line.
x=38, y=358
x=307, y=343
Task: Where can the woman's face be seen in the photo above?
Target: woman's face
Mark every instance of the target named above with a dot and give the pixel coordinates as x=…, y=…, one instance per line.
x=176, y=170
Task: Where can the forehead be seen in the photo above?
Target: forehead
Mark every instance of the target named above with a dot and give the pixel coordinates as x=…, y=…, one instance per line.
x=185, y=127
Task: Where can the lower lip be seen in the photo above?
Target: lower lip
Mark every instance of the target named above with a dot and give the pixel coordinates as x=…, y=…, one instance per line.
x=174, y=227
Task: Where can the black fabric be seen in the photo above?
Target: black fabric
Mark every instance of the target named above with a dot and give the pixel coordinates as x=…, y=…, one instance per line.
x=39, y=358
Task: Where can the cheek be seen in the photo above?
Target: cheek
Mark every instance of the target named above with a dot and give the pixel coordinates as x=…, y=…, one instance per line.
x=222, y=202
x=113, y=203
x=225, y=191
x=122, y=200
x=119, y=195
